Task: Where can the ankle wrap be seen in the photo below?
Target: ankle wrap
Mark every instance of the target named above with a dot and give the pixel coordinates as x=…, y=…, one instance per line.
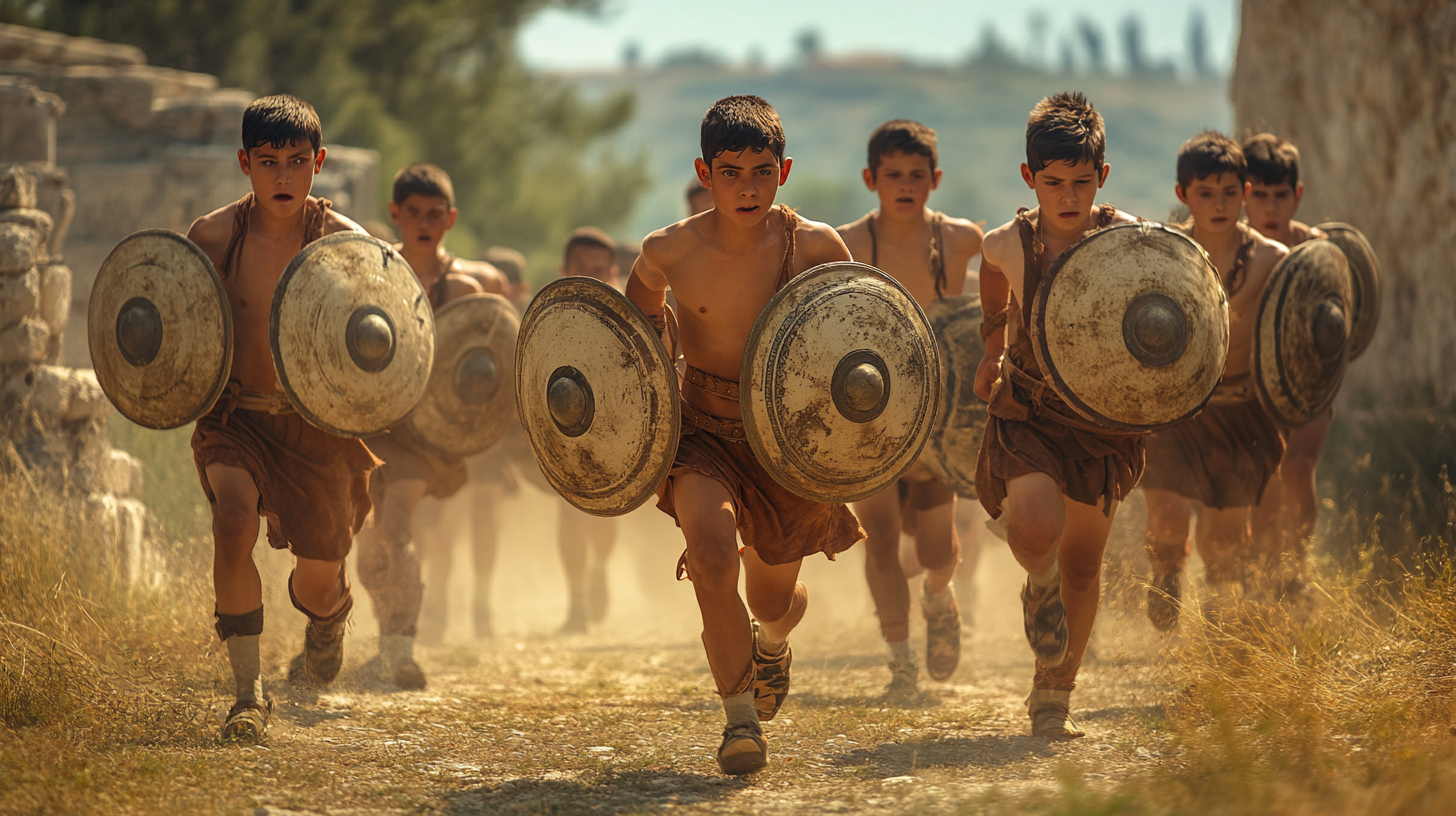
x=228, y=626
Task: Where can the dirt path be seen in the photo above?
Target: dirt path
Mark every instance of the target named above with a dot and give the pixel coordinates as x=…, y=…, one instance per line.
x=624, y=720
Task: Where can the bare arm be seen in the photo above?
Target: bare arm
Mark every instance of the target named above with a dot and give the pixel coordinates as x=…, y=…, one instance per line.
x=995, y=299
x=647, y=285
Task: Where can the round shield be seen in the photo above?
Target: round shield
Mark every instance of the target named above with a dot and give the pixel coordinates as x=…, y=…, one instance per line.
x=1302, y=339
x=470, y=400
x=352, y=334
x=1364, y=283
x=840, y=381
x=1131, y=325
x=955, y=435
x=160, y=329
x=597, y=396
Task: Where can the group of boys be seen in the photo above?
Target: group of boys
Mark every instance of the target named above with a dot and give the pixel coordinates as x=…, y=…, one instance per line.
x=1058, y=479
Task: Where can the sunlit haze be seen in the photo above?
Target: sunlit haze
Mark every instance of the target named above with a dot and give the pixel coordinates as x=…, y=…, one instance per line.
x=933, y=31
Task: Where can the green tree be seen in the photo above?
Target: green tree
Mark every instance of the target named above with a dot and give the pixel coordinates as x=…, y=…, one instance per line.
x=428, y=80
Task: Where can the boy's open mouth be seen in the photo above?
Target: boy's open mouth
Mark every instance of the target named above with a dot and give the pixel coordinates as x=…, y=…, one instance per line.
x=904, y=200
x=1068, y=214
x=748, y=209
x=283, y=198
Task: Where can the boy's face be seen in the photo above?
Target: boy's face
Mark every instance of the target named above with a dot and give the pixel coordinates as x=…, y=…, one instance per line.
x=423, y=220
x=591, y=262
x=1271, y=207
x=1065, y=192
x=282, y=176
x=744, y=184
x=1214, y=201
x=903, y=182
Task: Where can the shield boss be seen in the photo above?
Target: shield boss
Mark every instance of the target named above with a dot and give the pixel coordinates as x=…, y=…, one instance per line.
x=840, y=383
x=597, y=396
x=160, y=329
x=470, y=400
x=352, y=334
x=1364, y=283
x=1301, y=342
x=1131, y=325
x=955, y=435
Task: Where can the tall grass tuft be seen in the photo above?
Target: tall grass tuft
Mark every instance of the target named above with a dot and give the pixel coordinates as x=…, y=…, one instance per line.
x=80, y=651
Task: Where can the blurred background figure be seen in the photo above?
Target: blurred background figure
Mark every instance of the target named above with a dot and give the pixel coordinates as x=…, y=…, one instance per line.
x=700, y=198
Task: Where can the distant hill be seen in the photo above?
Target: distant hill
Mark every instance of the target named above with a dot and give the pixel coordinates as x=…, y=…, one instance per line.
x=980, y=115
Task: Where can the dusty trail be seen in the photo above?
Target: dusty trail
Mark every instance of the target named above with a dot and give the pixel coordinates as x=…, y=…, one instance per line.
x=625, y=720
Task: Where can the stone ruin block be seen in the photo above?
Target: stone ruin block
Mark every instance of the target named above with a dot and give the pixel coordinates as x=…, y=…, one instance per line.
x=24, y=240
x=24, y=342
x=17, y=188
x=126, y=475
x=27, y=122
x=39, y=45
x=19, y=296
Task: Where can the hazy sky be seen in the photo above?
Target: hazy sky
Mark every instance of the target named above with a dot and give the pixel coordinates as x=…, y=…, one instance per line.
x=927, y=30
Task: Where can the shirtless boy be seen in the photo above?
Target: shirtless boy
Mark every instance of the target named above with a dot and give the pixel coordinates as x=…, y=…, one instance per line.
x=1058, y=478
x=490, y=478
x=724, y=265
x=254, y=454
x=1221, y=459
x=423, y=206
x=586, y=541
x=1285, y=518
x=928, y=253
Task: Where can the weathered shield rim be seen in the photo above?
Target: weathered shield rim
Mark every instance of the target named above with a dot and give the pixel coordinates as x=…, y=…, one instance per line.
x=410, y=419
x=274, y=309
x=635, y=318
x=227, y=328
x=1266, y=399
x=1043, y=350
x=936, y=460
x=750, y=352
x=1361, y=341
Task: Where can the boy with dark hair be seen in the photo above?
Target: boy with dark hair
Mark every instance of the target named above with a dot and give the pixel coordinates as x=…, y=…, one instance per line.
x=700, y=198
x=423, y=207
x=1059, y=479
x=1285, y=517
x=717, y=488
x=586, y=541
x=1221, y=459
x=255, y=455
x=928, y=253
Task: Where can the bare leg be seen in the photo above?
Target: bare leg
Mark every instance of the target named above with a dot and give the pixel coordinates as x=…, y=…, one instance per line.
x=484, y=538
x=234, y=532
x=318, y=587
x=970, y=522
x=572, y=532
x=1223, y=543
x=937, y=545
x=880, y=516
x=775, y=596
x=705, y=512
x=390, y=570
x=1083, y=540
x=438, y=525
x=1170, y=518
x=602, y=534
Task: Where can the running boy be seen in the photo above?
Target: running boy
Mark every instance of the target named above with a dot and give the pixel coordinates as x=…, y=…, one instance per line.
x=717, y=489
x=586, y=541
x=423, y=206
x=254, y=454
x=1285, y=517
x=928, y=253
x=1058, y=478
x=1221, y=459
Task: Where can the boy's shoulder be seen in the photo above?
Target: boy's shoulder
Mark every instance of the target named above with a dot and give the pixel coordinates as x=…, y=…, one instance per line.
x=666, y=246
x=816, y=239
x=334, y=222
x=961, y=231
x=1303, y=232
x=212, y=232
x=856, y=228
x=1000, y=242
x=482, y=273
x=1264, y=253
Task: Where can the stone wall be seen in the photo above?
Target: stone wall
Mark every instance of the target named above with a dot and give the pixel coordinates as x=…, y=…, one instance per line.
x=53, y=419
x=1367, y=90
x=141, y=146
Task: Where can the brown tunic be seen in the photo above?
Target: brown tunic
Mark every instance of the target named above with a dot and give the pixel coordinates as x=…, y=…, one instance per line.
x=1225, y=456
x=1029, y=429
x=313, y=487
x=780, y=525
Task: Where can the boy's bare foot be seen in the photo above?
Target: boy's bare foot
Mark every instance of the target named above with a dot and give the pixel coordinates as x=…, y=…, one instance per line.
x=743, y=751
x=1164, y=596
x=771, y=676
x=322, y=656
x=1045, y=620
x=247, y=722
x=942, y=634
x=1051, y=715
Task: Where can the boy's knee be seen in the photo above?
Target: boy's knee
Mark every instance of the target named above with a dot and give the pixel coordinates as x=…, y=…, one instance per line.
x=1032, y=531
x=714, y=565
x=235, y=526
